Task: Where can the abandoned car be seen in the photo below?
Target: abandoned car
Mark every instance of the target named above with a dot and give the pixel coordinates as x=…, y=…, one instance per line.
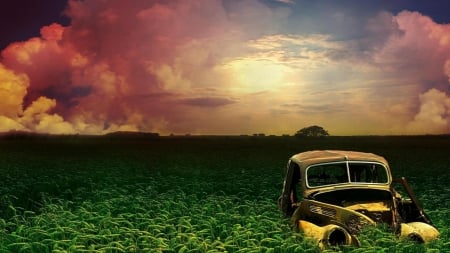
x=330, y=195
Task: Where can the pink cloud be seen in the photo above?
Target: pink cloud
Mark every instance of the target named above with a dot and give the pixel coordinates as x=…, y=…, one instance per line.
x=417, y=49
x=421, y=53
x=115, y=51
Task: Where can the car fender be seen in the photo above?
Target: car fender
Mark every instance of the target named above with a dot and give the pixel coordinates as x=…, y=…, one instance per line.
x=327, y=236
x=418, y=231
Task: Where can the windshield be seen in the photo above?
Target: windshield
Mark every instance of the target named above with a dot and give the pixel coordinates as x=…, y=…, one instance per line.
x=346, y=172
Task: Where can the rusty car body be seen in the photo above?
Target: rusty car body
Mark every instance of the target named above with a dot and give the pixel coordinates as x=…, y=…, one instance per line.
x=331, y=195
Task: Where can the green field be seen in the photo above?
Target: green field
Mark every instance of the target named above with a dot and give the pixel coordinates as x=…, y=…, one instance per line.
x=76, y=194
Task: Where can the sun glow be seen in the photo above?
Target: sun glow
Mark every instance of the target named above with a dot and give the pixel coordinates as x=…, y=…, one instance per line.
x=258, y=75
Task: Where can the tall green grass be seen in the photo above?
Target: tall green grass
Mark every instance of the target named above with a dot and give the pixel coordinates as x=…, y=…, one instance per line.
x=188, y=195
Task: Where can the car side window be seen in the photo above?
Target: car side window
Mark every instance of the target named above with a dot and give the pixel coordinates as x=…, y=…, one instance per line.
x=296, y=183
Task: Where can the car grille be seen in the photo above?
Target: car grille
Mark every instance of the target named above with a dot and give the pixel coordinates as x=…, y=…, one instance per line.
x=323, y=210
x=355, y=223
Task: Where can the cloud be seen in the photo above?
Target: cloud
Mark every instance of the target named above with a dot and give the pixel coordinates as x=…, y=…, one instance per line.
x=298, y=50
x=422, y=62
x=208, y=102
x=157, y=65
x=113, y=52
x=8, y=124
x=420, y=59
x=323, y=109
x=38, y=117
x=434, y=114
x=447, y=69
x=286, y=1
x=35, y=117
x=53, y=32
x=13, y=88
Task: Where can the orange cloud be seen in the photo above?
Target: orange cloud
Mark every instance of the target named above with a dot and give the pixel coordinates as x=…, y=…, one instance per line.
x=8, y=124
x=13, y=89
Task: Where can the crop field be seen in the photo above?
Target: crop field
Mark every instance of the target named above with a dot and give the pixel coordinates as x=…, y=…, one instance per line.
x=190, y=194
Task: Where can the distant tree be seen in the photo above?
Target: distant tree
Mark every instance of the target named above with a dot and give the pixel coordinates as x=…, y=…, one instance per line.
x=312, y=131
x=259, y=135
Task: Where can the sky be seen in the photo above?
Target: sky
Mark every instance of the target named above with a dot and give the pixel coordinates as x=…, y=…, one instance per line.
x=225, y=67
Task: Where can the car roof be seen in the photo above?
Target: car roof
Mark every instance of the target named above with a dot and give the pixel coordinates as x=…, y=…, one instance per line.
x=308, y=158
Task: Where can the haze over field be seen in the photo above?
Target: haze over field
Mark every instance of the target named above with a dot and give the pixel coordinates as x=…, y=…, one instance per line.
x=230, y=67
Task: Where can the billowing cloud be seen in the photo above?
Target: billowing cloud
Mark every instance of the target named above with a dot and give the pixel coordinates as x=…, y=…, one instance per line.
x=420, y=59
x=167, y=65
x=433, y=115
x=424, y=64
x=114, y=52
x=447, y=70
x=8, y=124
x=13, y=89
x=38, y=118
